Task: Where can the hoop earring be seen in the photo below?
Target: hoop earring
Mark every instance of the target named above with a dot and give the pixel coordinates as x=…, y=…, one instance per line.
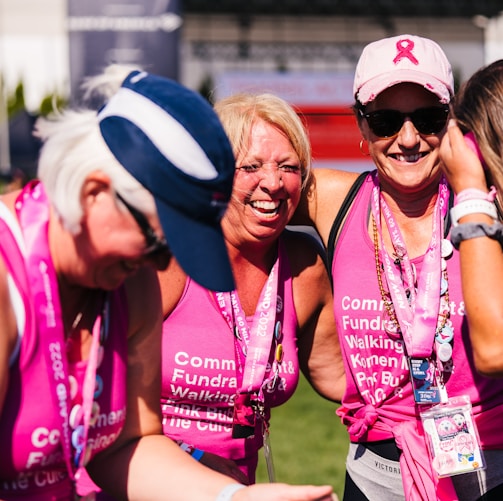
x=364, y=153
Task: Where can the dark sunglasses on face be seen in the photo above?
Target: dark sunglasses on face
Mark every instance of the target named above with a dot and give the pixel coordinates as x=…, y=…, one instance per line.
x=154, y=244
x=387, y=123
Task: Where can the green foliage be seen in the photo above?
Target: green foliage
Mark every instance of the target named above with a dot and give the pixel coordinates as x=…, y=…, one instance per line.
x=15, y=102
x=309, y=444
x=50, y=103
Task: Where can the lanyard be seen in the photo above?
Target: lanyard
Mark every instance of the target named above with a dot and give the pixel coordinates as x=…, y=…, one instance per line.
x=253, y=344
x=33, y=212
x=416, y=311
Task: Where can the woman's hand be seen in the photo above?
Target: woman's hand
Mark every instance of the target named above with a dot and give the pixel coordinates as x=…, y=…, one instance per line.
x=460, y=163
x=285, y=492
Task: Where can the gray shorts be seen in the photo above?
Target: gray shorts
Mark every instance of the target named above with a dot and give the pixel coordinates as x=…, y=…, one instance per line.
x=380, y=478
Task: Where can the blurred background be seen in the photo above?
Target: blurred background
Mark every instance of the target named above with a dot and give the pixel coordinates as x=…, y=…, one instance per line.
x=305, y=51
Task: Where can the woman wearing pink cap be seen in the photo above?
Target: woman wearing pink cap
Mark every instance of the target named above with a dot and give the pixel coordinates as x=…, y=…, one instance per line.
x=422, y=421
x=80, y=304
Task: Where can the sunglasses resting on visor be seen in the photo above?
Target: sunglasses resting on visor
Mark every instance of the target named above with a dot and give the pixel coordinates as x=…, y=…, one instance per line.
x=387, y=123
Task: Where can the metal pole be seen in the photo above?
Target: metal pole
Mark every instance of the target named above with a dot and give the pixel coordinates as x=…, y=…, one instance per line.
x=5, y=166
x=4, y=132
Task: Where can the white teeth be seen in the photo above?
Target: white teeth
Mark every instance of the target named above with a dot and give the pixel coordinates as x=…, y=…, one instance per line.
x=408, y=158
x=259, y=204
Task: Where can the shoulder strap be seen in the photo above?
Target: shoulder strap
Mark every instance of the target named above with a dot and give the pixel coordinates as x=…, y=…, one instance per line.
x=340, y=218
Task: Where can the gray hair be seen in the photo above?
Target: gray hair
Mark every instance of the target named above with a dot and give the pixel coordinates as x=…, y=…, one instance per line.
x=73, y=147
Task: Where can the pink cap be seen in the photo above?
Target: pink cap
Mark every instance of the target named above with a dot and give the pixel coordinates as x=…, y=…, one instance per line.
x=404, y=58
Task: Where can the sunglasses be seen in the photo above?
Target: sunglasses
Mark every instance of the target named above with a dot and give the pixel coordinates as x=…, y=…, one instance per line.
x=154, y=244
x=387, y=123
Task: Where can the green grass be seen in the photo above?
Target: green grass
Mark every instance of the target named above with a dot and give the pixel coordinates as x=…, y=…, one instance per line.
x=309, y=444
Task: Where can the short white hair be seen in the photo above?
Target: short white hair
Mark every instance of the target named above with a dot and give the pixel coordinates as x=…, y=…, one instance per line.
x=73, y=147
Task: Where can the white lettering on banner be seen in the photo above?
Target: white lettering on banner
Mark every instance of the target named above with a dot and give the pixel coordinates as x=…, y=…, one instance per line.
x=168, y=22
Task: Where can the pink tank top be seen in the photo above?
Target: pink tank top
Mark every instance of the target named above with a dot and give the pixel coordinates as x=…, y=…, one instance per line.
x=379, y=393
x=32, y=461
x=199, y=374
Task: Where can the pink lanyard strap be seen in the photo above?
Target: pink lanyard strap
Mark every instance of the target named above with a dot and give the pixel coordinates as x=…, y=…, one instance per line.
x=33, y=212
x=253, y=344
x=417, y=313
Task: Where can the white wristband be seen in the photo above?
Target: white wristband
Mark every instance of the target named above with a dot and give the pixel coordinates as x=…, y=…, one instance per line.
x=473, y=207
x=228, y=491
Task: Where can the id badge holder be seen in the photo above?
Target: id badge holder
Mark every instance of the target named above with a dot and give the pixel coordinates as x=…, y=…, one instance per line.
x=452, y=437
x=424, y=381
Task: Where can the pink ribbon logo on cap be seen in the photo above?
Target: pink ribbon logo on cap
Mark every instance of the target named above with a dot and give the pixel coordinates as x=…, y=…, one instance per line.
x=404, y=49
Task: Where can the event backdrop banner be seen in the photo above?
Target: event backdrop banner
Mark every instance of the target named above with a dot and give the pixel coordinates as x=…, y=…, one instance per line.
x=140, y=32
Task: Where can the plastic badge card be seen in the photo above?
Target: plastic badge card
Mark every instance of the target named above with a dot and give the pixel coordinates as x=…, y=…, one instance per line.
x=452, y=437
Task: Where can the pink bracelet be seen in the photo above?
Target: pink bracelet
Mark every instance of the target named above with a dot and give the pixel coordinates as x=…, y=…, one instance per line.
x=475, y=194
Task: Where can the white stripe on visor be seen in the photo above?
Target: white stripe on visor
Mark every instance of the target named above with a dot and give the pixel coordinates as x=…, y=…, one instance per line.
x=166, y=133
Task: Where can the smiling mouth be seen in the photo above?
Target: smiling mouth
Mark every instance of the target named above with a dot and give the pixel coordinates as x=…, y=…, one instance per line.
x=408, y=158
x=266, y=208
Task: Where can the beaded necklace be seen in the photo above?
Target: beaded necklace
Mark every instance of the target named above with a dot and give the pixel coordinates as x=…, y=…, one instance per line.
x=444, y=331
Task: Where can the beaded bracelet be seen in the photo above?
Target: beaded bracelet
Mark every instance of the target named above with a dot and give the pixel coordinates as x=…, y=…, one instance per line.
x=466, y=231
x=476, y=194
x=228, y=491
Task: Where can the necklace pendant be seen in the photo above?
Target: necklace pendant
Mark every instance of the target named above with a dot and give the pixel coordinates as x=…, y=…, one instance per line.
x=445, y=335
x=446, y=248
x=444, y=351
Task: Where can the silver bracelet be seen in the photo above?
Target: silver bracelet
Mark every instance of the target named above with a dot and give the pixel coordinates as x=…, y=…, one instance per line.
x=228, y=491
x=465, y=231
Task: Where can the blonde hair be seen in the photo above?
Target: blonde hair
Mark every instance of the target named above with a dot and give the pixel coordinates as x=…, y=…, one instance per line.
x=478, y=108
x=239, y=112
